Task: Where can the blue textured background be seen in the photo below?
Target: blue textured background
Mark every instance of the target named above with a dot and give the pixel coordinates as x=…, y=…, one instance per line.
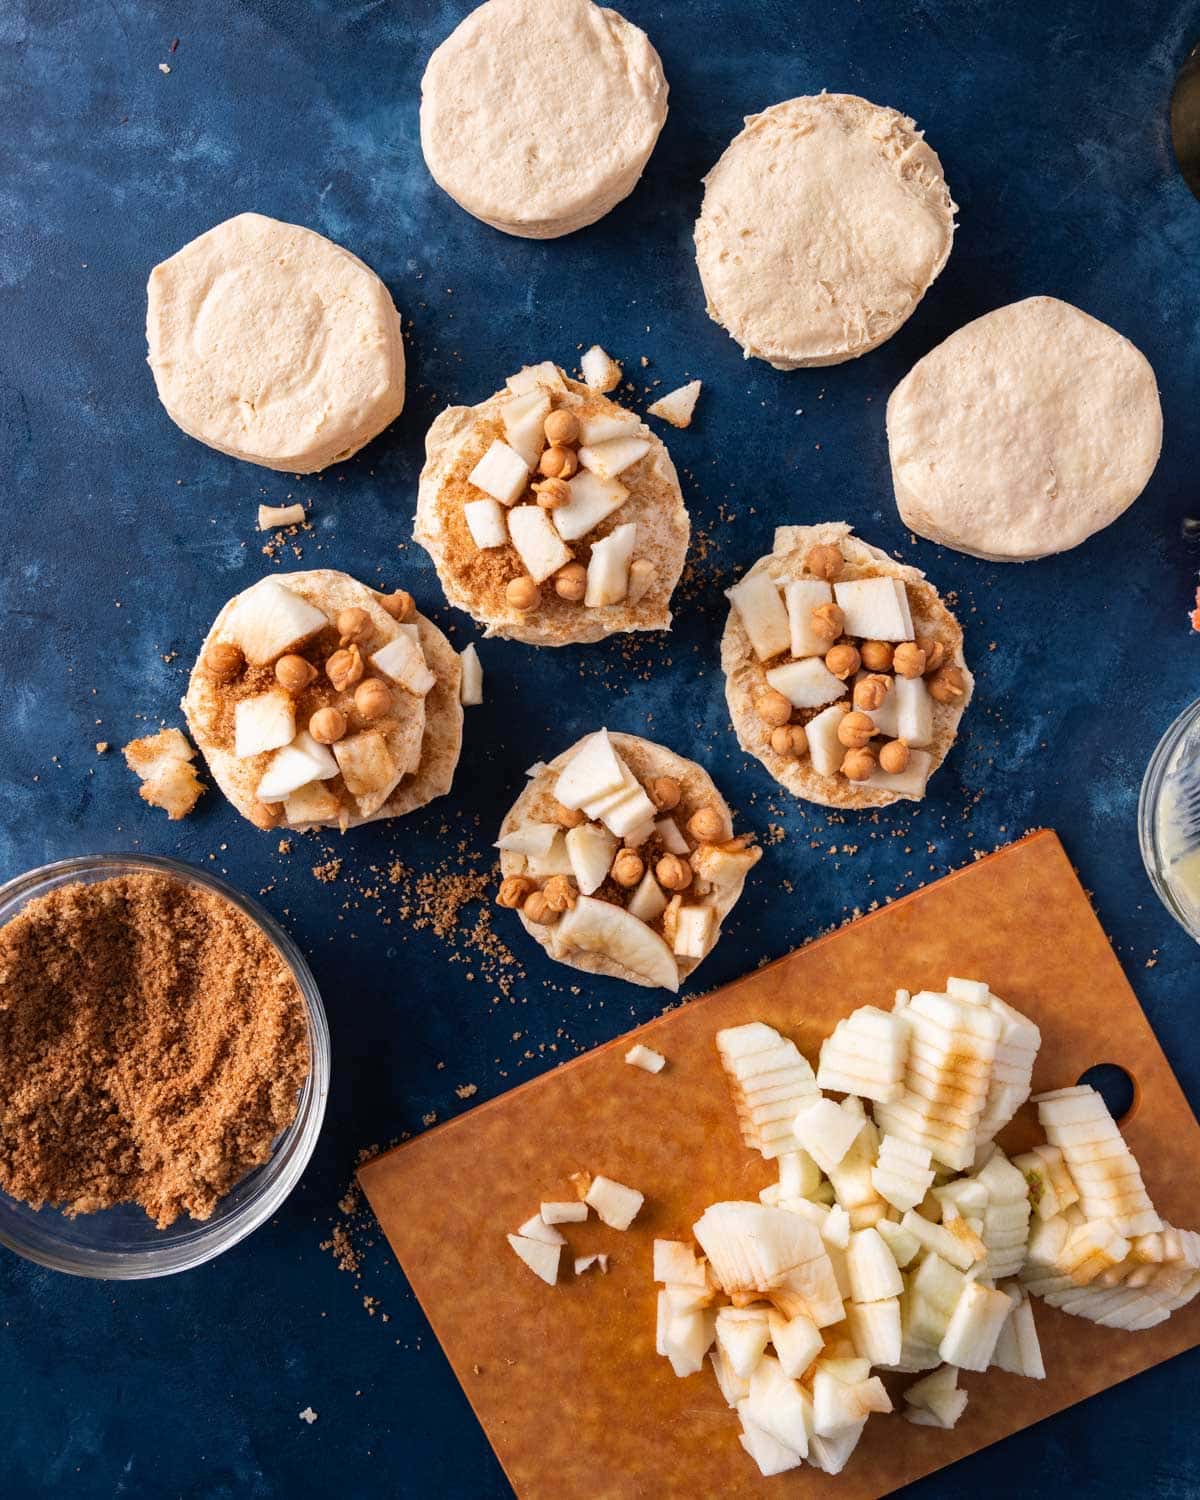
x=120, y=537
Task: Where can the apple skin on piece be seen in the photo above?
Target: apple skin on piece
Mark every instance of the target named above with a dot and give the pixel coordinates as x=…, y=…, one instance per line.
x=760, y=608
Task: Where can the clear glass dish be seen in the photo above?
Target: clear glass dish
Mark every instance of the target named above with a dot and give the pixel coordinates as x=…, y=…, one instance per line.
x=1173, y=871
x=122, y=1243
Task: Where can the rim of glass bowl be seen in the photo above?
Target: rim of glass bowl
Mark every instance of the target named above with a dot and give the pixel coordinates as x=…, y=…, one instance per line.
x=1147, y=815
x=199, y=1241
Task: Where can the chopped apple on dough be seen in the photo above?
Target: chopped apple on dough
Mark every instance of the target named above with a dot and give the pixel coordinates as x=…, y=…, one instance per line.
x=314, y=803
x=595, y=770
x=590, y=849
x=803, y=595
x=368, y=768
x=875, y=609
x=695, y=931
x=529, y=839
x=501, y=473
x=403, y=661
x=610, y=459
x=761, y=610
x=524, y=417
x=486, y=523
x=162, y=762
x=269, y=619
x=677, y=406
x=616, y=1205
x=608, y=567
x=264, y=722
x=806, y=684
x=602, y=427
x=600, y=927
x=824, y=748
x=600, y=371
x=592, y=500
x=648, y=902
x=529, y=377
x=642, y=577
x=294, y=766
x=724, y=867
x=907, y=783
x=538, y=544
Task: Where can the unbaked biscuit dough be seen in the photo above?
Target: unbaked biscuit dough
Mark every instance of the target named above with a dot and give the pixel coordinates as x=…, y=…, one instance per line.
x=1024, y=432
x=538, y=116
x=272, y=344
x=823, y=225
x=475, y=578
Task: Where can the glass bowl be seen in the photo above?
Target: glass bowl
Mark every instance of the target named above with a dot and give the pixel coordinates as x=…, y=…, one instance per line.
x=122, y=1243
x=1171, y=867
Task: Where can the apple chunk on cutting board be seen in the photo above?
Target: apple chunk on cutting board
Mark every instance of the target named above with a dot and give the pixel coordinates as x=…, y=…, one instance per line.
x=565, y=1380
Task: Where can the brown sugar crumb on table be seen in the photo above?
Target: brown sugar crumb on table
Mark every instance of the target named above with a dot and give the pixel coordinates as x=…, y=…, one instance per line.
x=152, y=1046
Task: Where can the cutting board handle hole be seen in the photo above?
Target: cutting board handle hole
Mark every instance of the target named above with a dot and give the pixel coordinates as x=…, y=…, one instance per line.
x=1116, y=1087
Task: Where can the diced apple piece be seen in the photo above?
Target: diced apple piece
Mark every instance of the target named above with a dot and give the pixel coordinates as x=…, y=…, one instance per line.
x=294, y=766
x=695, y=930
x=264, y=722
x=590, y=849
x=616, y=1205
x=875, y=1329
x=826, y=1131
x=752, y=1247
x=608, y=567
x=806, y=684
x=602, y=427
x=630, y=815
x=593, y=771
x=761, y=610
x=501, y=473
x=541, y=1259
x=771, y=1456
x=875, y=609
x=269, y=619
x=573, y=1212
x=530, y=377
x=687, y=1338
x=673, y=841
x=600, y=927
x=779, y=1406
x=643, y=575
x=529, y=838
x=271, y=516
x=538, y=544
x=592, y=500
x=367, y=764
x=914, y=710
x=536, y=1228
x=485, y=521
x=874, y=1274
x=677, y=406
x=803, y=595
x=645, y=1058
x=523, y=417
x=314, y=803
x=910, y=782
x=556, y=860
x=600, y=371
x=886, y=717
x=677, y=1264
x=797, y=1342
x=586, y=1262
x=608, y=460
x=470, y=683
x=648, y=902
x=975, y=1326
x=825, y=750
x=724, y=867
x=403, y=662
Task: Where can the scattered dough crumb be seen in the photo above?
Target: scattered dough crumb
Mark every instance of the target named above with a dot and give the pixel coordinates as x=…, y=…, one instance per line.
x=162, y=762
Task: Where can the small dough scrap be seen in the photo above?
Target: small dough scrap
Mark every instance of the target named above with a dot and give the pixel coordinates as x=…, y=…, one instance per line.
x=1024, y=432
x=538, y=117
x=162, y=762
x=272, y=344
x=823, y=225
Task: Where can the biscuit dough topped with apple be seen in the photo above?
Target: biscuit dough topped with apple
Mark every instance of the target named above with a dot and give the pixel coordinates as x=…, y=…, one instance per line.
x=318, y=702
x=620, y=859
x=844, y=671
x=553, y=515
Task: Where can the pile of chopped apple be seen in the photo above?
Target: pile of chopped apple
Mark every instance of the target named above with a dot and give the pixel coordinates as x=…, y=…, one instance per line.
x=312, y=701
x=628, y=871
x=848, y=682
x=907, y=1242
x=545, y=486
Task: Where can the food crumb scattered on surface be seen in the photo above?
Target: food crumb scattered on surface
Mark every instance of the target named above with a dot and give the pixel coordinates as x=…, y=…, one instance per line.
x=308, y=1415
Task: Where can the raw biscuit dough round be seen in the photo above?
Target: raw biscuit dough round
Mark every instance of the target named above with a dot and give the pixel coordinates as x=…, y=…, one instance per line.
x=1024, y=432
x=539, y=117
x=424, y=732
x=272, y=344
x=474, y=580
x=746, y=676
x=823, y=225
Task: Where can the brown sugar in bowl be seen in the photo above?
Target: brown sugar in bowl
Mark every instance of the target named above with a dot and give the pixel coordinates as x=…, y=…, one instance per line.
x=122, y=1241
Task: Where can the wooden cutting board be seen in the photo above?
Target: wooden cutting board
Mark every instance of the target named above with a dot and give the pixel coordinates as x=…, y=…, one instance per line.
x=565, y=1379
